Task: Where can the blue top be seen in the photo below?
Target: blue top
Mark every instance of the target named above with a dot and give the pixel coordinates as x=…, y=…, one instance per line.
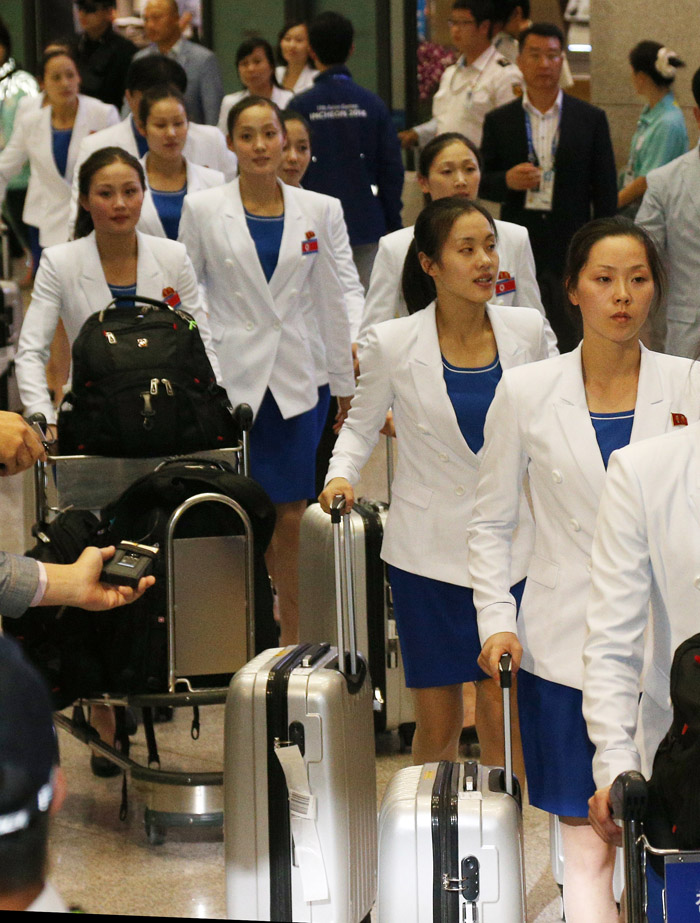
x=266, y=232
x=356, y=153
x=169, y=208
x=119, y=291
x=141, y=142
x=471, y=392
x=60, y=139
x=660, y=137
x=612, y=430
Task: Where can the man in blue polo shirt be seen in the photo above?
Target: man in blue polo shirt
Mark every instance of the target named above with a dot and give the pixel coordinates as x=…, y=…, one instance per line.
x=356, y=152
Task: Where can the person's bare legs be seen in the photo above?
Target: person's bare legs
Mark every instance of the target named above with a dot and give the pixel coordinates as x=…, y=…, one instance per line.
x=489, y=726
x=285, y=567
x=439, y=717
x=102, y=719
x=588, y=874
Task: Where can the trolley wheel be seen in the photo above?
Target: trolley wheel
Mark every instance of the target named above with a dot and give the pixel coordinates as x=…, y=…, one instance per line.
x=155, y=833
x=406, y=732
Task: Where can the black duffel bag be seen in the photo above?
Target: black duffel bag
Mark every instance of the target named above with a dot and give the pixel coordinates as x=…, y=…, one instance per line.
x=143, y=386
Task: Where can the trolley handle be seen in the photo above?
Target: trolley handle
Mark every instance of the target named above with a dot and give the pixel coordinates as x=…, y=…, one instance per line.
x=243, y=415
x=505, y=674
x=344, y=583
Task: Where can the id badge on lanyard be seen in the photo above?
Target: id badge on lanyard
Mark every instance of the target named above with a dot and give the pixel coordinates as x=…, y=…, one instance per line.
x=542, y=198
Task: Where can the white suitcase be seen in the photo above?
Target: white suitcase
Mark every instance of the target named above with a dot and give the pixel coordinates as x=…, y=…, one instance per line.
x=450, y=844
x=300, y=784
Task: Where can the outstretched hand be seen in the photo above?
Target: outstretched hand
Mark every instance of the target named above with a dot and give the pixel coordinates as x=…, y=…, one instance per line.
x=79, y=584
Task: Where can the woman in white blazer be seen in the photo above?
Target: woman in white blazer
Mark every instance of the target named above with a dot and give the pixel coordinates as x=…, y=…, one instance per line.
x=264, y=253
x=80, y=277
x=297, y=73
x=256, y=69
x=646, y=550
x=49, y=139
x=438, y=369
x=450, y=165
x=558, y=422
x=170, y=176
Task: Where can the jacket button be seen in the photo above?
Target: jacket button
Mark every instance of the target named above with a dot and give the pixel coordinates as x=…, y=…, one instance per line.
x=556, y=476
x=421, y=428
x=277, y=325
x=459, y=490
x=696, y=583
x=250, y=325
x=443, y=456
x=589, y=565
x=575, y=525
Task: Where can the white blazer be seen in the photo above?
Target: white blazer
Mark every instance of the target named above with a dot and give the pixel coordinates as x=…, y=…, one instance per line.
x=260, y=331
x=204, y=146
x=539, y=423
x=279, y=97
x=198, y=178
x=71, y=284
x=305, y=79
x=646, y=549
x=433, y=490
x=48, y=194
x=517, y=284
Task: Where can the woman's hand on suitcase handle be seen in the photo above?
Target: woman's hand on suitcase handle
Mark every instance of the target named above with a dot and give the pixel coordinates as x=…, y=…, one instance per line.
x=600, y=814
x=496, y=645
x=335, y=488
x=79, y=584
x=389, y=429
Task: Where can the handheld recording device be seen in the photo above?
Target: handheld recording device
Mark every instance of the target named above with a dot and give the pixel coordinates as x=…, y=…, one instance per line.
x=130, y=563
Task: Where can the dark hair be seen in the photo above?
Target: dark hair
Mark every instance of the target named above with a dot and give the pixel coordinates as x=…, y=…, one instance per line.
x=291, y=115
x=103, y=157
x=62, y=52
x=100, y=4
x=331, y=36
x=644, y=60
x=283, y=31
x=154, y=95
x=152, y=69
x=23, y=855
x=247, y=103
x=481, y=10
x=544, y=30
x=5, y=39
x=432, y=229
x=590, y=234
x=510, y=6
x=249, y=46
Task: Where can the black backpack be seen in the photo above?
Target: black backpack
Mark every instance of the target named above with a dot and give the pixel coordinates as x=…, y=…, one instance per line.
x=143, y=386
x=673, y=812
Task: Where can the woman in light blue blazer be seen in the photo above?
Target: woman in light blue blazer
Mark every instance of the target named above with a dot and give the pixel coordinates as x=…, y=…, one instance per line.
x=555, y=425
x=264, y=252
x=438, y=369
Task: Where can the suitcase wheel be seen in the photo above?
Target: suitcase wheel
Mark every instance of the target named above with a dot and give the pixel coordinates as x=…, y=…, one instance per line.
x=154, y=832
x=406, y=732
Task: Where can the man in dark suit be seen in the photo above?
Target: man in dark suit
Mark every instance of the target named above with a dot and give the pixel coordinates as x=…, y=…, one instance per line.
x=549, y=159
x=102, y=54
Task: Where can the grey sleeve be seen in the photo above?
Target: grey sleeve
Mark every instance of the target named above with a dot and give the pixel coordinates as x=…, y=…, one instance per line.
x=19, y=579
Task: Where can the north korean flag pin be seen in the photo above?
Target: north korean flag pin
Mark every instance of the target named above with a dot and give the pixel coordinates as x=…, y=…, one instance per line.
x=171, y=297
x=679, y=419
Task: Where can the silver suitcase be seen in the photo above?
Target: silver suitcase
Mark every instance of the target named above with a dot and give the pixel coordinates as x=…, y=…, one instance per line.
x=300, y=799
x=450, y=844
x=377, y=637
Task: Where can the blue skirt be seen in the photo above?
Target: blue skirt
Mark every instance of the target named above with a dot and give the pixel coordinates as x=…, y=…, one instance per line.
x=283, y=452
x=324, y=402
x=558, y=754
x=436, y=622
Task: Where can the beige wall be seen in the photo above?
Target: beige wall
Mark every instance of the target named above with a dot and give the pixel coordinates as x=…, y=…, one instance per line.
x=615, y=28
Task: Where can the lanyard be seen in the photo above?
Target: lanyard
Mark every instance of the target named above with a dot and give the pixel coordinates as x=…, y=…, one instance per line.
x=475, y=83
x=531, y=152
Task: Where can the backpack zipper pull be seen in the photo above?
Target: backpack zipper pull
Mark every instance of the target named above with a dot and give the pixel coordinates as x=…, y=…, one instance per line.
x=168, y=387
x=111, y=339
x=148, y=410
x=154, y=386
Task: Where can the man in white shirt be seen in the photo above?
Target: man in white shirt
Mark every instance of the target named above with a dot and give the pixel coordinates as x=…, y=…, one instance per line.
x=479, y=81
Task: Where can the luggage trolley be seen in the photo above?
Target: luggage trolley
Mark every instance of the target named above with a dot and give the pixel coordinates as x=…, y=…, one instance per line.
x=681, y=896
x=173, y=798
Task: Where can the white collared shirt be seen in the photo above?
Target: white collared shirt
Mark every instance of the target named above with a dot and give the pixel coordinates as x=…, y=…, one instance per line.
x=544, y=128
x=467, y=92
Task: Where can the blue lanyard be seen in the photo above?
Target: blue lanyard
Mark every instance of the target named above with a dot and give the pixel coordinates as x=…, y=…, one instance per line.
x=531, y=152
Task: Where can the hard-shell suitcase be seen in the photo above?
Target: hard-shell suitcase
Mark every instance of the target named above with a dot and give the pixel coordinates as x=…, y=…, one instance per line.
x=299, y=781
x=376, y=627
x=450, y=843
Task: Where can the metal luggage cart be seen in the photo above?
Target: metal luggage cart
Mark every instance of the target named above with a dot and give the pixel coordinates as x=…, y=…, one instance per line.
x=681, y=895
x=209, y=580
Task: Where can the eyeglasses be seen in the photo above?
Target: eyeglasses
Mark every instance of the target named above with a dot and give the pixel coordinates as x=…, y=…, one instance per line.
x=461, y=23
x=551, y=57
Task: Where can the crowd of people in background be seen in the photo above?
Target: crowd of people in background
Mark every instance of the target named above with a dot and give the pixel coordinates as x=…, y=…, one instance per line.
x=495, y=351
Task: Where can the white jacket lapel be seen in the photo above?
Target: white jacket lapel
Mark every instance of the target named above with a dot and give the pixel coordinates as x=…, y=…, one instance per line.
x=92, y=277
x=652, y=413
x=290, y=247
x=149, y=275
x=77, y=135
x=510, y=350
x=245, y=257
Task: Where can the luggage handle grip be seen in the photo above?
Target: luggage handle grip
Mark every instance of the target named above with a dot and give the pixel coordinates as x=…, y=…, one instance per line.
x=344, y=583
x=505, y=674
x=137, y=299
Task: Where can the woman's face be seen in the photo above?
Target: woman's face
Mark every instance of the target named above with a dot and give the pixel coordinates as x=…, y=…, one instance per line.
x=166, y=128
x=257, y=141
x=468, y=264
x=454, y=171
x=614, y=290
x=295, y=45
x=296, y=153
x=61, y=81
x=255, y=72
x=115, y=198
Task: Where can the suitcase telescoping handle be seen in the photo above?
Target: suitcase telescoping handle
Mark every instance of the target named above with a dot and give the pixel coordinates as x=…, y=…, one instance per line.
x=506, y=677
x=244, y=418
x=344, y=585
x=629, y=801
